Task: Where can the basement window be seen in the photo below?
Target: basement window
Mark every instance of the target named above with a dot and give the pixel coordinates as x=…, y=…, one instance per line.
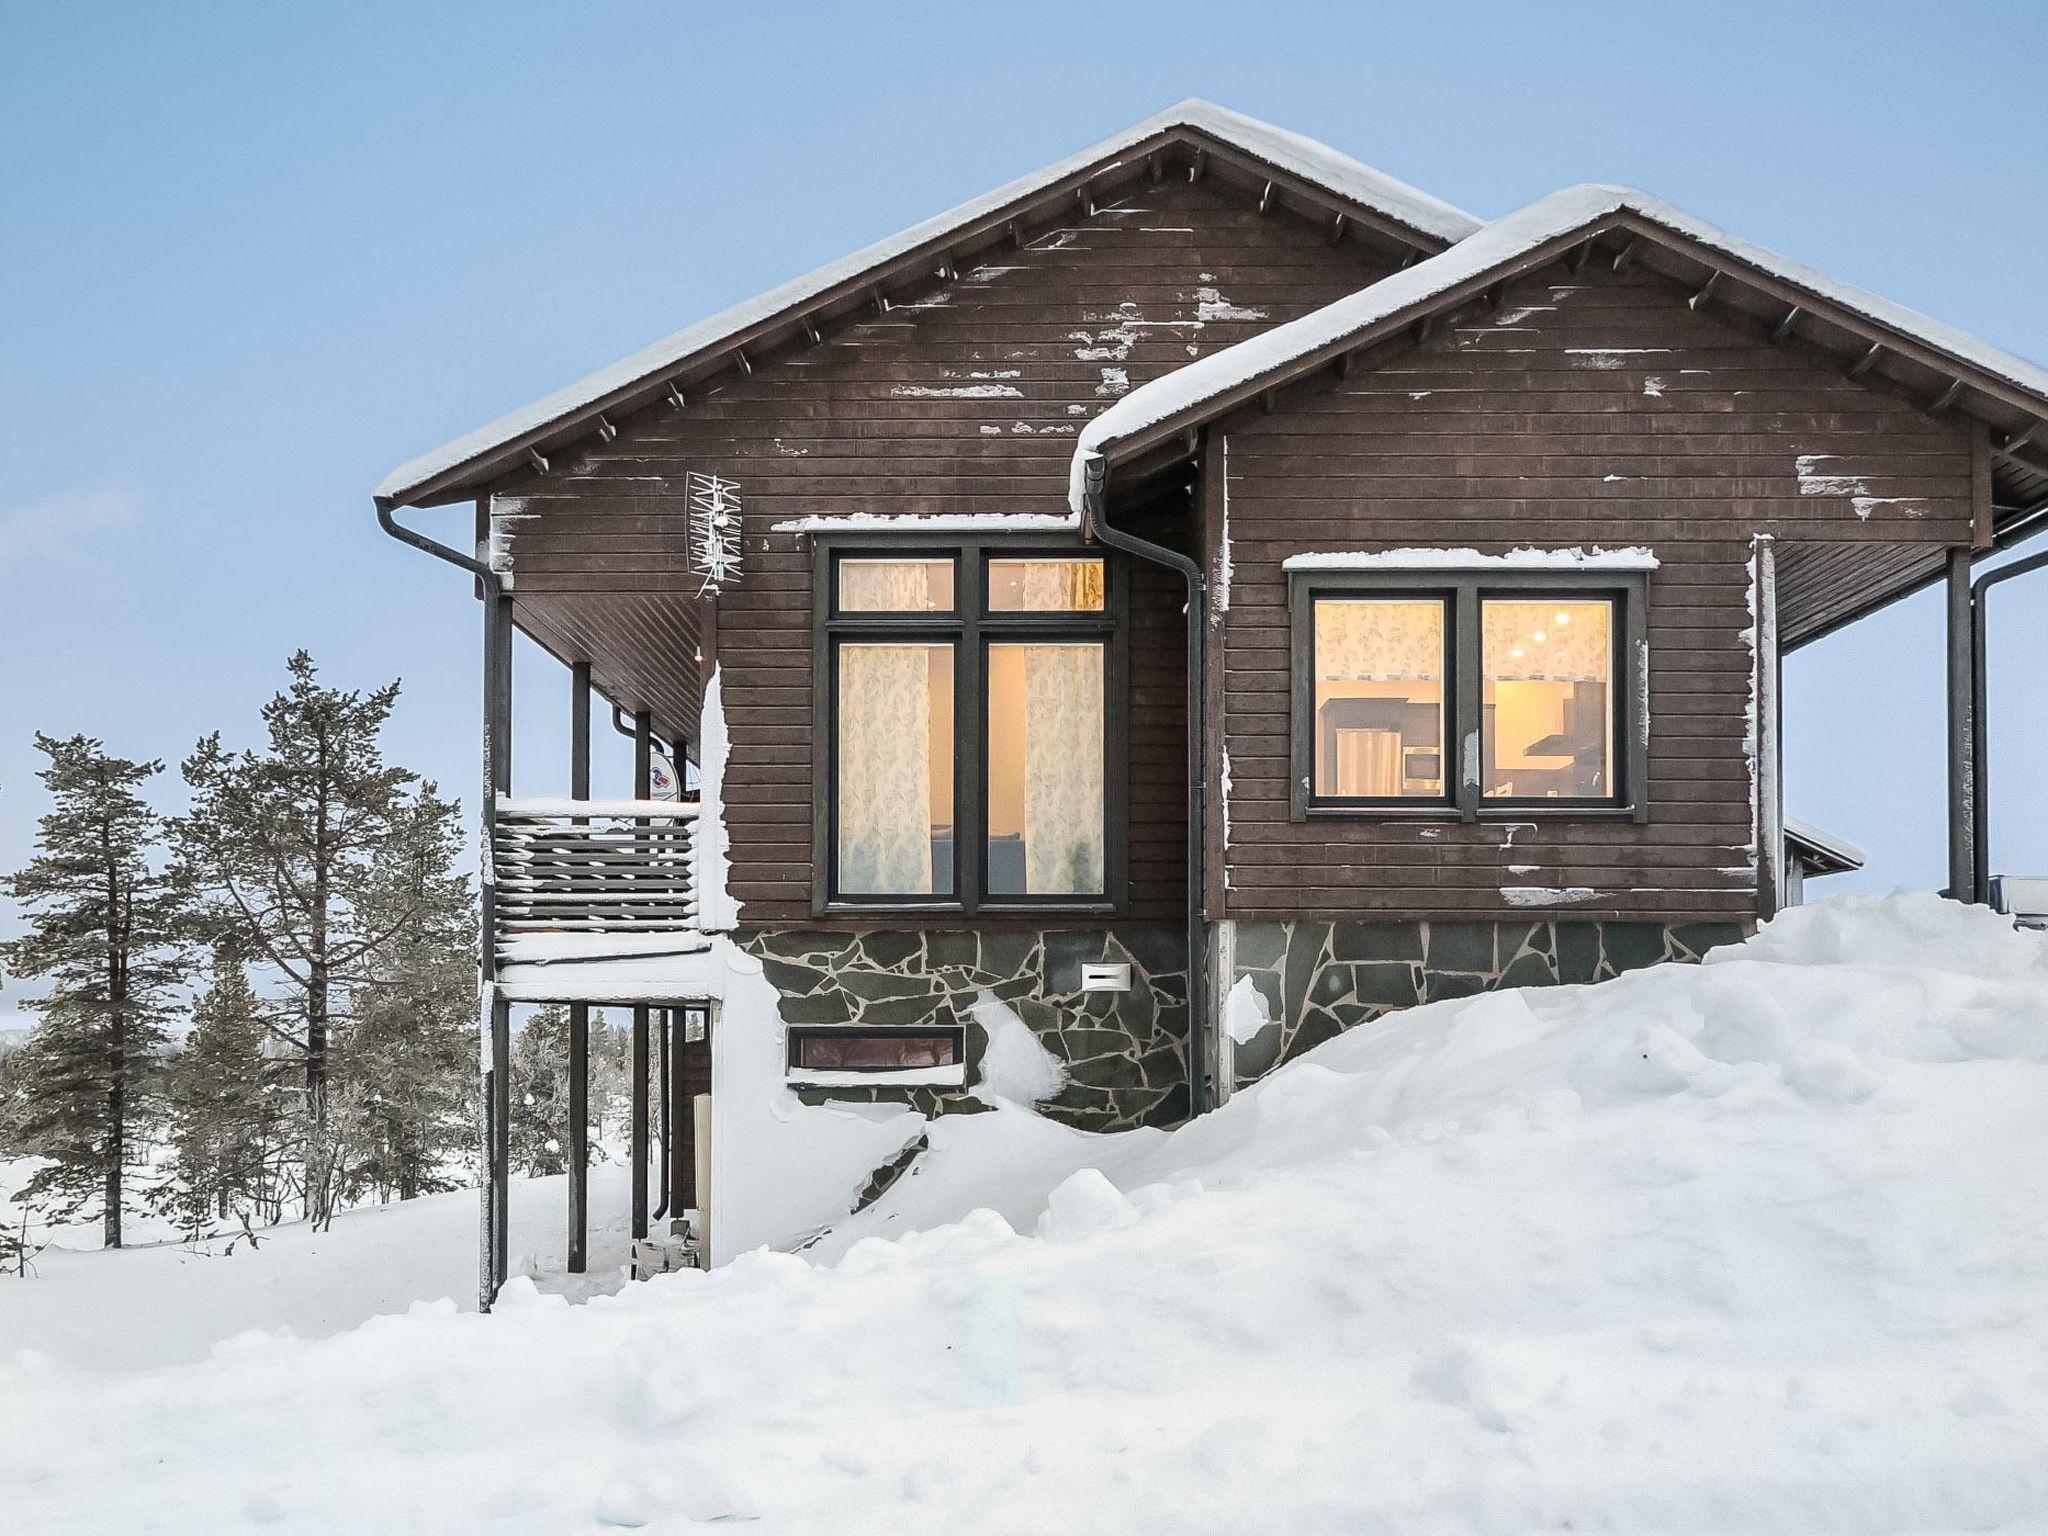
x=856, y=1055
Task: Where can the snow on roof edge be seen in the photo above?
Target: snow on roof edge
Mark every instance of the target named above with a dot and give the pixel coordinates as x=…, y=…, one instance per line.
x=1631, y=557
x=1841, y=848
x=1292, y=152
x=1551, y=217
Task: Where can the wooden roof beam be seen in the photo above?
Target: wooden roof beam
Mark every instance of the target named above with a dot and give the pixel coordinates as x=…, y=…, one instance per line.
x=1867, y=361
x=1198, y=164
x=1782, y=331
x=1266, y=200
x=1706, y=291
x=1948, y=398
x=1627, y=254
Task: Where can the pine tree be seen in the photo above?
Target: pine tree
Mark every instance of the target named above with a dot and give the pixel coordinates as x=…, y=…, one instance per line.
x=309, y=856
x=229, y=1123
x=408, y=1073
x=106, y=928
x=539, y=1131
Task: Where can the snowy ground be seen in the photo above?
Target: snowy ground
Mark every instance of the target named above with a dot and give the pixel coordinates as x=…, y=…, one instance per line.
x=162, y=1302
x=1759, y=1245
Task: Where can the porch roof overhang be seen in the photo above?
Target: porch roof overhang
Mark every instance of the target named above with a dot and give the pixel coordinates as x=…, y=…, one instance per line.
x=1884, y=345
x=1821, y=853
x=1275, y=165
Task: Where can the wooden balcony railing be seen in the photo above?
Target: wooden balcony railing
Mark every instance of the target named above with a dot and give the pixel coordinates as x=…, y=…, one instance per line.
x=593, y=866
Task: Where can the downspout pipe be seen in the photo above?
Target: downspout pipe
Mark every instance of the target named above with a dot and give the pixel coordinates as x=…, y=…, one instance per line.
x=497, y=1101
x=1980, y=707
x=676, y=749
x=1094, y=525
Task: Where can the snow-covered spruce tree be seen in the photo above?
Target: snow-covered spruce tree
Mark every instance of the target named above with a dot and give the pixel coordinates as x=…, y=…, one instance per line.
x=308, y=856
x=106, y=929
x=406, y=1084
x=231, y=1115
x=539, y=1132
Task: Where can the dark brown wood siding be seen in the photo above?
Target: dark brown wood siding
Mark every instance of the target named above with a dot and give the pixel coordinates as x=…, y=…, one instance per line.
x=1583, y=410
x=964, y=400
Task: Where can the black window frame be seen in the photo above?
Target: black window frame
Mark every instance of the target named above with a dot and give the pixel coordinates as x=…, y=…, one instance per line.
x=1464, y=712
x=971, y=628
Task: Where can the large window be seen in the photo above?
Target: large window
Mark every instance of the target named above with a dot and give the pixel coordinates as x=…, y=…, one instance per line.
x=1466, y=693
x=968, y=754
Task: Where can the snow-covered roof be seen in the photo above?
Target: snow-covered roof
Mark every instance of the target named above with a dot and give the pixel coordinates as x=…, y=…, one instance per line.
x=1288, y=153
x=1838, y=853
x=1223, y=378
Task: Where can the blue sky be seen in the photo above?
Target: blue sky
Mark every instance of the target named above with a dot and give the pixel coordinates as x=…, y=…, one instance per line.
x=256, y=255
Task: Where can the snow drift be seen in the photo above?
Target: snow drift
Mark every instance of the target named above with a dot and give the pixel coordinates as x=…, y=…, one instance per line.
x=1757, y=1245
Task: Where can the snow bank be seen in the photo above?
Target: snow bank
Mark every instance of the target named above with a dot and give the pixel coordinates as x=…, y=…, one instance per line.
x=1751, y=1246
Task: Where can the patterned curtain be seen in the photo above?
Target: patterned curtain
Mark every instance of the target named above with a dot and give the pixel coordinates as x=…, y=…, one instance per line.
x=1379, y=640
x=885, y=767
x=1063, y=755
x=1061, y=585
x=885, y=586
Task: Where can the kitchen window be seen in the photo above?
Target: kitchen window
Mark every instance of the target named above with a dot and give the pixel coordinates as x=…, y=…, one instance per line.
x=1468, y=693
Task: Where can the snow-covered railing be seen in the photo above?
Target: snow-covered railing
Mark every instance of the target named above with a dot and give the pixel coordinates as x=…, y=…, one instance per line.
x=592, y=866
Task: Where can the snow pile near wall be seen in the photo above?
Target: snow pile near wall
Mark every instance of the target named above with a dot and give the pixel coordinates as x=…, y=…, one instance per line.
x=1015, y=1068
x=1756, y=1245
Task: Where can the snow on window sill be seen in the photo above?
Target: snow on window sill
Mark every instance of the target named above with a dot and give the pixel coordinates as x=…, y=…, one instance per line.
x=954, y=1076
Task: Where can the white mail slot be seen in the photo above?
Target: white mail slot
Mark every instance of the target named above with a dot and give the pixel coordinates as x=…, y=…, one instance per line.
x=1105, y=976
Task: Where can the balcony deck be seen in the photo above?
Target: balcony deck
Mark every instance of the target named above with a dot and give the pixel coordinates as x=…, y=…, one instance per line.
x=581, y=881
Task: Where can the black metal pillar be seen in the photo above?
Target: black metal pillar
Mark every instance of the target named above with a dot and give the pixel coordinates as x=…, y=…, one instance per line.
x=682, y=1119
x=665, y=1022
x=643, y=746
x=579, y=1013
x=496, y=1099
x=1980, y=717
x=1962, y=783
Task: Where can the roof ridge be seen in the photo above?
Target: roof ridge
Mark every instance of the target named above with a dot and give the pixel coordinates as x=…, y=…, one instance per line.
x=1293, y=153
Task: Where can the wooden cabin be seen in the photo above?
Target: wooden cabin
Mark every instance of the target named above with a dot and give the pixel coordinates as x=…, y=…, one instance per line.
x=1170, y=610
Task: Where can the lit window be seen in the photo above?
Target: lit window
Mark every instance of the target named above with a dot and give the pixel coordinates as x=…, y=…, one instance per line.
x=1548, y=699
x=895, y=778
x=1045, y=586
x=1045, y=768
x=1420, y=692
x=969, y=755
x=1379, y=698
x=895, y=586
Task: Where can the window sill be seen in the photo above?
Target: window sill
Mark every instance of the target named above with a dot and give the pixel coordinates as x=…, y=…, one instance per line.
x=1524, y=811
x=900, y=1077
x=956, y=913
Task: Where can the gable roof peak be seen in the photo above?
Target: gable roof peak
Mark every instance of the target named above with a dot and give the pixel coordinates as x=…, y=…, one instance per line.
x=470, y=461
x=1536, y=232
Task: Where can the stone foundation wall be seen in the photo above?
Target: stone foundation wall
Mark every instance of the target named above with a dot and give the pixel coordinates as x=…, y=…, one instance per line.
x=1124, y=1052
x=1321, y=977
